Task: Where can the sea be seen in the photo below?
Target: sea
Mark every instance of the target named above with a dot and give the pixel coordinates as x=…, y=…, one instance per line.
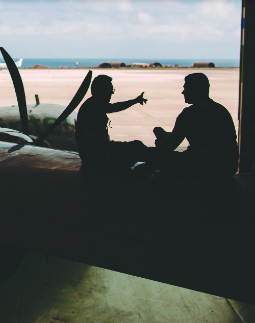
x=90, y=62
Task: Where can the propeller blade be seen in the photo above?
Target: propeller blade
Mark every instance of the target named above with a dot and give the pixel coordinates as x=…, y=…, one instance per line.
x=71, y=106
x=19, y=89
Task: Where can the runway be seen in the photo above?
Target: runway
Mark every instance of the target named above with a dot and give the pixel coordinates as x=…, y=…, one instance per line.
x=162, y=88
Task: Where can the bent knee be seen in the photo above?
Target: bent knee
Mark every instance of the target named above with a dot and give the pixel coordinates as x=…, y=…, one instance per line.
x=138, y=144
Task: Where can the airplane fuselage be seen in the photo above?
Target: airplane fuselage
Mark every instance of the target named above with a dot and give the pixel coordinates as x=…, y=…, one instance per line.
x=40, y=118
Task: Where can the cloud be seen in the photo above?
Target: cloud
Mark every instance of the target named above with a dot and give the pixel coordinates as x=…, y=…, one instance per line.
x=218, y=19
x=125, y=5
x=145, y=18
x=115, y=22
x=220, y=10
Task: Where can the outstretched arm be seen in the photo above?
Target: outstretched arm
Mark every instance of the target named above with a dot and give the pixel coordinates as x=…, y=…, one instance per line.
x=120, y=106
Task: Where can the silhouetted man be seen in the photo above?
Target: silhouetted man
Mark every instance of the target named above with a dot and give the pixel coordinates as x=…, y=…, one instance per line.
x=210, y=131
x=95, y=147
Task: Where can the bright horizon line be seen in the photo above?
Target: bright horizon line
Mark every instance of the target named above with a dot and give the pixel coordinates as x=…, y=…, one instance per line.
x=123, y=58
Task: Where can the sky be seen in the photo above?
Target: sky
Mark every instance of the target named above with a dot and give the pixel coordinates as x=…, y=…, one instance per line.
x=186, y=29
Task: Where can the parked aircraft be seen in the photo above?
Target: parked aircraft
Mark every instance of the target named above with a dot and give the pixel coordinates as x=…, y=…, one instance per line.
x=37, y=119
x=40, y=117
x=140, y=65
x=18, y=63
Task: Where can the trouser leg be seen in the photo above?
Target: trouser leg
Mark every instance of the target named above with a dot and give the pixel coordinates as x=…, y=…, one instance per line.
x=167, y=161
x=127, y=153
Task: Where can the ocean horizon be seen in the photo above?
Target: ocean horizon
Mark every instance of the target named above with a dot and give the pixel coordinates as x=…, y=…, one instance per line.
x=90, y=62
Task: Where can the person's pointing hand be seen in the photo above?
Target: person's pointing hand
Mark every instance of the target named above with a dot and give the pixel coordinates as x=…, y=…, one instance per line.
x=140, y=99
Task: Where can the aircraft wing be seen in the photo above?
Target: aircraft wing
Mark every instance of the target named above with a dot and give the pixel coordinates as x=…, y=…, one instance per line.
x=48, y=206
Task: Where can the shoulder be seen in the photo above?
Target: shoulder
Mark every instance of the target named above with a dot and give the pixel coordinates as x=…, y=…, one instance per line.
x=183, y=118
x=220, y=108
x=86, y=107
x=89, y=102
x=217, y=105
x=186, y=112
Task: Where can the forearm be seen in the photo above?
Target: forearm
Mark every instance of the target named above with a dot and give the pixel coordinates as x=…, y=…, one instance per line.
x=172, y=141
x=176, y=137
x=120, y=106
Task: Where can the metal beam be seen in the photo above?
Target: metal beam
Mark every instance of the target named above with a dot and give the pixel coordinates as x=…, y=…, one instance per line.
x=246, y=136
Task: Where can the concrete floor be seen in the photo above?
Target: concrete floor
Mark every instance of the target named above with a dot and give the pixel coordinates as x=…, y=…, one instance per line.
x=66, y=291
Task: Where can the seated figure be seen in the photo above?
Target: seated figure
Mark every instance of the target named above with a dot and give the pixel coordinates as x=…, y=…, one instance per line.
x=96, y=149
x=210, y=131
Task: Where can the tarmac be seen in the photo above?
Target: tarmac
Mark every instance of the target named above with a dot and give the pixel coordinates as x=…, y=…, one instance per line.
x=53, y=290
x=162, y=88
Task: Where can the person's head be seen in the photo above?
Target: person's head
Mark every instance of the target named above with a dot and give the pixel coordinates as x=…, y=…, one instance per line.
x=102, y=88
x=196, y=88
